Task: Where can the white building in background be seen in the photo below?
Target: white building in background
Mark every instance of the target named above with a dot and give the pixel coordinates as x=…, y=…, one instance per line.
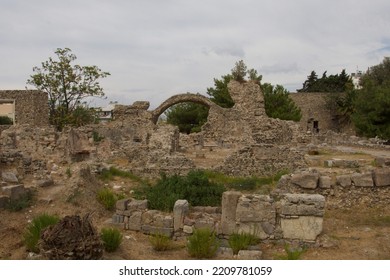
x=105, y=113
x=356, y=79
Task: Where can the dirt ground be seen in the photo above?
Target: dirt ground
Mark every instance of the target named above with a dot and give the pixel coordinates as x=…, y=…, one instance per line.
x=361, y=232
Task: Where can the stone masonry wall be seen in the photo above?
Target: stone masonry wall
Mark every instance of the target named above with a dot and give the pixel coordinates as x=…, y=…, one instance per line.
x=292, y=216
x=31, y=106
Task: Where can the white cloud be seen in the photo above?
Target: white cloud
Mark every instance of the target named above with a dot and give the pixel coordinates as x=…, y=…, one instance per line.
x=154, y=49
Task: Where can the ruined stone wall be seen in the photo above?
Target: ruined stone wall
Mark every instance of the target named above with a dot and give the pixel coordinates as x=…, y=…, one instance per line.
x=291, y=216
x=313, y=107
x=348, y=189
x=31, y=106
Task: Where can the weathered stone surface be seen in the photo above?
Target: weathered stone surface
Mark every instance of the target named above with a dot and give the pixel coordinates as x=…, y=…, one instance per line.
x=148, y=229
x=229, y=205
x=134, y=205
x=382, y=161
x=4, y=199
x=301, y=205
x=344, y=180
x=9, y=177
x=381, y=177
x=180, y=210
x=249, y=255
x=325, y=182
x=188, y=229
x=14, y=192
x=306, y=180
x=122, y=204
x=225, y=253
x=302, y=228
x=362, y=180
x=134, y=221
x=256, y=214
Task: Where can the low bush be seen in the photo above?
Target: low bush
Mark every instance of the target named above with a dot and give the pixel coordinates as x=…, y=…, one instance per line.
x=241, y=241
x=196, y=188
x=292, y=253
x=34, y=230
x=111, y=238
x=202, y=244
x=109, y=174
x=160, y=242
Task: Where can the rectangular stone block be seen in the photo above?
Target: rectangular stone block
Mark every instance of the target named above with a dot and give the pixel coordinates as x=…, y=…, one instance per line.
x=134, y=221
x=137, y=205
x=344, y=180
x=362, y=179
x=301, y=205
x=381, y=177
x=302, y=228
x=255, y=208
x=229, y=205
x=325, y=182
x=122, y=204
x=14, y=192
x=306, y=180
x=180, y=210
x=157, y=230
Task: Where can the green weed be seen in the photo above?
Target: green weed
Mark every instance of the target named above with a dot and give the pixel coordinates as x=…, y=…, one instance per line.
x=202, y=244
x=111, y=238
x=241, y=241
x=34, y=230
x=160, y=242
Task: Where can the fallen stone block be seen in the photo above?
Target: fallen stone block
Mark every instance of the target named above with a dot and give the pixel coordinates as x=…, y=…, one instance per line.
x=381, y=177
x=362, y=179
x=14, y=192
x=137, y=205
x=301, y=205
x=134, y=221
x=148, y=229
x=44, y=183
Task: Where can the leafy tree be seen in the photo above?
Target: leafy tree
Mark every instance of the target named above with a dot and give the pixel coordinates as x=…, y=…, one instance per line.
x=333, y=83
x=66, y=84
x=278, y=103
x=239, y=71
x=219, y=94
x=189, y=117
x=371, y=115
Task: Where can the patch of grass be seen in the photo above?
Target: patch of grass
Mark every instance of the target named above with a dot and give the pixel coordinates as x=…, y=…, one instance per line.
x=202, y=244
x=261, y=184
x=195, y=187
x=96, y=137
x=241, y=241
x=34, y=230
x=108, y=198
x=160, y=242
x=292, y=253
x=24, y=201
x=109, y=174
x=111, y=238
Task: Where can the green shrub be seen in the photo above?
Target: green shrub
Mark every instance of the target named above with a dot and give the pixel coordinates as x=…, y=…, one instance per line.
x=195, y=187
x=5, y=120
x=241, y=241
x=160, y=242
x=68, y=172
x=202, y=243
x=107, y=198
x=34, y=230
x=111, y=238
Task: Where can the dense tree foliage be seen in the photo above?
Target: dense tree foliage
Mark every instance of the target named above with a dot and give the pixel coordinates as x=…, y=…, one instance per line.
x=278, y=103
x=189, y=117
x=371, y=115
x=333, y=83
x=67, y=85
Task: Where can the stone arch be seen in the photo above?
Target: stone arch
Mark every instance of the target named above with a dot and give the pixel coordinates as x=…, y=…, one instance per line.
x=180, y=98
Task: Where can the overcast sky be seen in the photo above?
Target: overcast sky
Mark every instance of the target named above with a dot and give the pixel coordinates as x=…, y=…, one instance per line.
x=157, y=48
